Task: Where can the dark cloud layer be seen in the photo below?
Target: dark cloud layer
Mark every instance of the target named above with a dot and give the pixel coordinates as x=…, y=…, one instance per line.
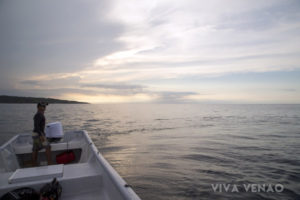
x=174, y=97
x=52, y=83
x=114, y=86
x=39, y=37
x=117, y=88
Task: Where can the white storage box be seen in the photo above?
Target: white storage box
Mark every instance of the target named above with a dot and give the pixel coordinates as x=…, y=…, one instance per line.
x=54, y=130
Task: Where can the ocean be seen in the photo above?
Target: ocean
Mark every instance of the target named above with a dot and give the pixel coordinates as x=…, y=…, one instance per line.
x=185, y=151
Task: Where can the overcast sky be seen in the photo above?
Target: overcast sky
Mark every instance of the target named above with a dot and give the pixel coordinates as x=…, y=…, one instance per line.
x=169, y=51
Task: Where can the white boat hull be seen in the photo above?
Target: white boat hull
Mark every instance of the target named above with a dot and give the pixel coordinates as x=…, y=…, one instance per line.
x=89, y=177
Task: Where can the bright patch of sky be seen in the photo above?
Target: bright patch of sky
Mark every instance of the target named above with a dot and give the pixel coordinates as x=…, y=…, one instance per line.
x=170, y=51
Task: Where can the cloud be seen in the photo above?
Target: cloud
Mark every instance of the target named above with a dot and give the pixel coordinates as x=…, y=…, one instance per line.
x=174, y=97
x=198, y=38
x=50, y=83
x=111, y=91
x=55, y=36
x=289, y=90
x=30, y=82
x=261, y=18
x=130, y=50
x=114, y=86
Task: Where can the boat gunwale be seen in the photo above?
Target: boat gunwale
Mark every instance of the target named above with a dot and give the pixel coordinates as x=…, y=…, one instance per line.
x=120, y=183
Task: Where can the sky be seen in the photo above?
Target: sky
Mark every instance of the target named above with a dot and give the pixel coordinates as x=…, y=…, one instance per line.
x=166, y=51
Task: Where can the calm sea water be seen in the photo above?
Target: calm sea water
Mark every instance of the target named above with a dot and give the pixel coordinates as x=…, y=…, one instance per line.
x=178, y=151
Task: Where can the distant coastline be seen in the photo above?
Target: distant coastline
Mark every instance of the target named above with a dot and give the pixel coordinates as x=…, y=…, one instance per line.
x=17, y=99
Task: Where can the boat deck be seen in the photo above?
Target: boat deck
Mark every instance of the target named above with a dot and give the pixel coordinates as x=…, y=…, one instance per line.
x=89, y=176
x=74, y=177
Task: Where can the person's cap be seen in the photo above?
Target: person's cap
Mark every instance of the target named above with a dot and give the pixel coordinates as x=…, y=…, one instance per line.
x=43, y=104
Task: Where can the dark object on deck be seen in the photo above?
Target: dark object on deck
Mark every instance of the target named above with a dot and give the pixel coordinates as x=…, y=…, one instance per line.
x=25, y=193
x=51, y=191
x=53, y=140
x=65, y=157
